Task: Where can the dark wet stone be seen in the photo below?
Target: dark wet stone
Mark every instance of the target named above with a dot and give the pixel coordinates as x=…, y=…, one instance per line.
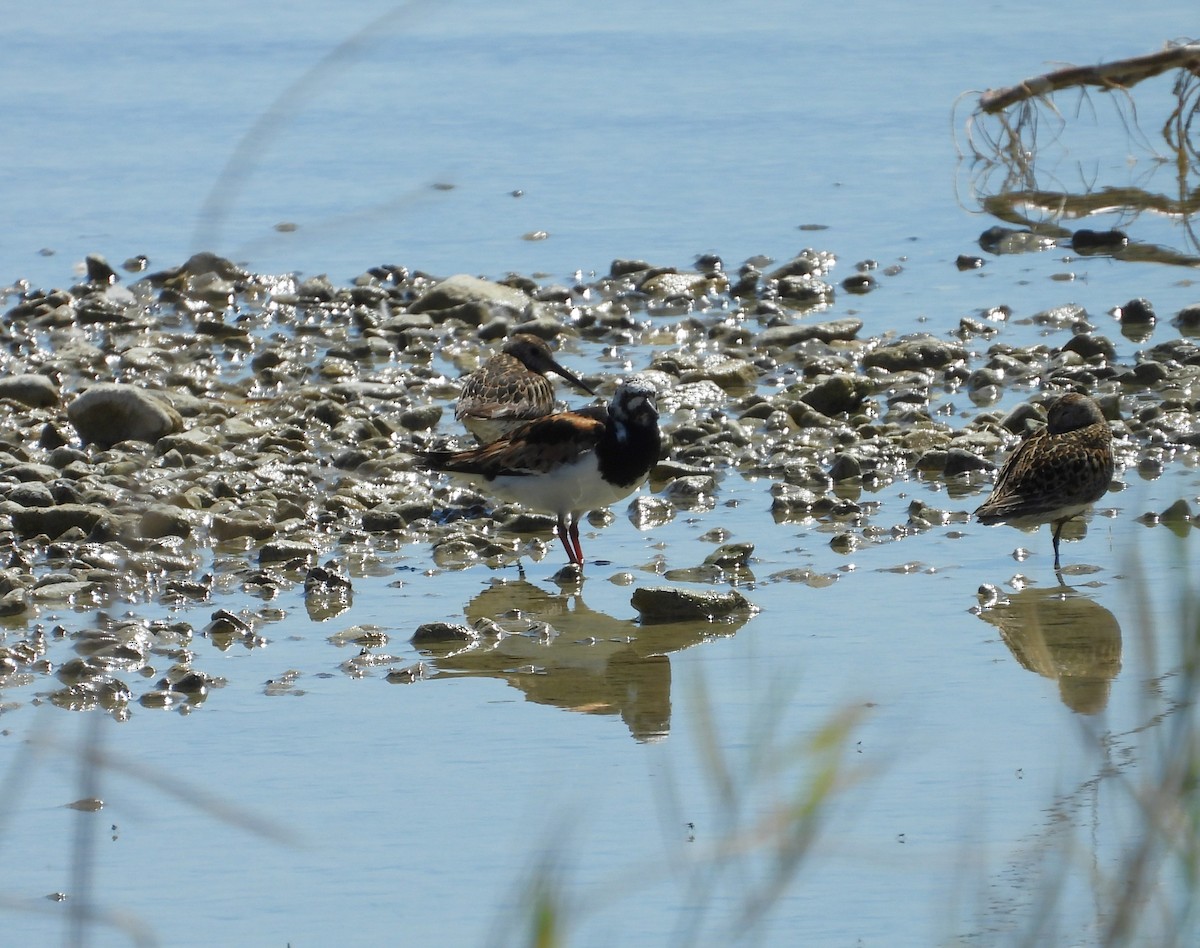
x=920, y=351
x=241, y=523
x=194, y=684
x=15, y=602
x=792, y=335
x=932, y=461
x=691, y=486
x=1150, y=373
x=804, y=415
x=317, y=289
x=205, y=263
x=327, y=593
x=1187, y=320
x=291, y=552
x=468, y=296
x=670, y=604
x=731, y=375
x=325, y=577
x=30, y=494
x=673, y=285
x=805, y=264
x=1024, y=417
x=859, y=284
x=730, y=555
x=845, y=467
x=1006, y=240
x=421, y=419
x=965, y=262
x=1178, y=514
x=36, y=391
x=1138, y=312
x=646, y=512
x=389, y=517
x=57, y=520
x=845, y=543
x=163, y=699
x=923, y=516
x=51, y=438
x=227, y=622
x=219, y=329
x=984, y=376
x=32, y=472
x=1089, y=346
x=746, y=285
x=621, y=268
x=76, y=670
x=440, y=633
x=407, y=675
x=63, y=456
x=1062, y=317
x=1086, y=242
x=962, y=461
x=196, y=442
x=837, y=395
x=164, y=521
x=805, y=291
x=99, y=271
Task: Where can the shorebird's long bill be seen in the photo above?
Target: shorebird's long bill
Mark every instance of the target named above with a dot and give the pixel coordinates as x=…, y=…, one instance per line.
x=571, y=377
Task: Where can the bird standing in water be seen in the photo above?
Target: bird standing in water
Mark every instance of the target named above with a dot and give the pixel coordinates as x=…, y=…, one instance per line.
x=1057, y=472
x=511, y=388
x=569, y=462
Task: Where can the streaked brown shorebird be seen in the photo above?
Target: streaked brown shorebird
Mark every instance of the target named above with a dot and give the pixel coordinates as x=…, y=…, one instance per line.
x=1057, y=472
x=569, y=462
x=511, y=388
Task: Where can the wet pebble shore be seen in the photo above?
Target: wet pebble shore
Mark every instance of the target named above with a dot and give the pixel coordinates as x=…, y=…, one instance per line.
x=170, y=436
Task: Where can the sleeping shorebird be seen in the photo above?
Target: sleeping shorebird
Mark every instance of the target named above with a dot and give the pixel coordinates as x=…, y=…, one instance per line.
x=568, y=462
x=510, y=389
x=1057, y=472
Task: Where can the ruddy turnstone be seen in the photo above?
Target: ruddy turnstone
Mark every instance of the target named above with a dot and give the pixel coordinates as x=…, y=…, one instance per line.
x=511, y=388
x=568, y=462
x=1057, y=472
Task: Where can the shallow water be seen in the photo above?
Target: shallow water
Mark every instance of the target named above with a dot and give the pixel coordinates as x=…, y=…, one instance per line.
x=414, y=812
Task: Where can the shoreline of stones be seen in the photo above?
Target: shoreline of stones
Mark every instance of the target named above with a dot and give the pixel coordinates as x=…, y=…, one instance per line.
x=204, y=429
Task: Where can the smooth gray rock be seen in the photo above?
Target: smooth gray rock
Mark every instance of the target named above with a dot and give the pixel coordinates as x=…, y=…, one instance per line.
x=461, y=290
x=55, y=521
x=31, y=389
x=109, y=413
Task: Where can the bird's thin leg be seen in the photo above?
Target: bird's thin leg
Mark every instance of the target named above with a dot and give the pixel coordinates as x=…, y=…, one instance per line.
x=575, y=540
x=1058, y=525
x=564, y=535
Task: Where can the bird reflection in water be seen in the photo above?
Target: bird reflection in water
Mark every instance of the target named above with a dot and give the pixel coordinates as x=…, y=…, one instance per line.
x=1061, y=634
x=560, y=652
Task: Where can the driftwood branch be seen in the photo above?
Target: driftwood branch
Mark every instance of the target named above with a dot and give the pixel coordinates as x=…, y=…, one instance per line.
x=1011, y=130
x=1120, y=74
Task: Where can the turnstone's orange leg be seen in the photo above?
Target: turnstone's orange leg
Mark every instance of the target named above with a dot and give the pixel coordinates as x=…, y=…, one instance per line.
x=574, y=532
x=567, y=535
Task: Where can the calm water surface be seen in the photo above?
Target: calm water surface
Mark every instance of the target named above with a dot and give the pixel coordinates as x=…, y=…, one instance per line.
x=415, y=813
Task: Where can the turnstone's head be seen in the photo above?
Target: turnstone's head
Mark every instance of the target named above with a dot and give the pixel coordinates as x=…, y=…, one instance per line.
x=635, y=401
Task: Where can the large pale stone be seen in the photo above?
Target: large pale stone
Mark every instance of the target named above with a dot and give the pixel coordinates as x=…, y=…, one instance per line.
x=109, y=413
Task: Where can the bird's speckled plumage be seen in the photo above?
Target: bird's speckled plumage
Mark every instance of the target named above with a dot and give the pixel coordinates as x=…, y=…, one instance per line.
x=569, y=462
x=1057, y=472
x=511, y=388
